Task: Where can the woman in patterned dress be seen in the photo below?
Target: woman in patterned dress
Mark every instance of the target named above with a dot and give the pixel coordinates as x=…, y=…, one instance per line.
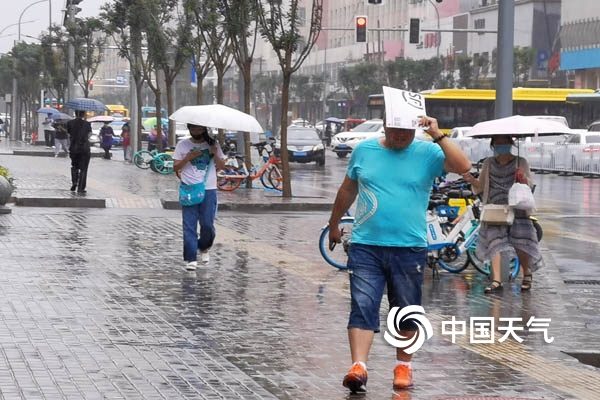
x=497, y=176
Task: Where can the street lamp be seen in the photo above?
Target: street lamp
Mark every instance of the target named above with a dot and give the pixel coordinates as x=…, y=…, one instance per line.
x=15, y=128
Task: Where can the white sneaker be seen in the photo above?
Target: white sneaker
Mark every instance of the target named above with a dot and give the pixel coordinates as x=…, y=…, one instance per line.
x=205, y=258
x=191, y=266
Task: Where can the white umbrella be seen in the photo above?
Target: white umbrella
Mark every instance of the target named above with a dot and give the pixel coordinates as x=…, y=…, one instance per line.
x=102, y=118
x=518, y=126
x=217, y=116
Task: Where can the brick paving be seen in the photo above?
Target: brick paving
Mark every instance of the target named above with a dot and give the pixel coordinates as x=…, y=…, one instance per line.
x=97, y=305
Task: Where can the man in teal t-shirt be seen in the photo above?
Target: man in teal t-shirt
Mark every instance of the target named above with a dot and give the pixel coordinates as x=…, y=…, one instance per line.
x=392, y=177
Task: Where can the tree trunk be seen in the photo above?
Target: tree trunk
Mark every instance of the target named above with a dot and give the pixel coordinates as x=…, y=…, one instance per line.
x=220, y=73
x=158, y=105
x=247, y=81
x=285, y=164
x=170, y=110
x=199, y=88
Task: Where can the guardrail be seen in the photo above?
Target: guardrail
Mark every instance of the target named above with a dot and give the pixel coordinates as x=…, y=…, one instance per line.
x=567, y=159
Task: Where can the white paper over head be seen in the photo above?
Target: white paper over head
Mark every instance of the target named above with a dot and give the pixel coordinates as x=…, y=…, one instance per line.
x=403, y=109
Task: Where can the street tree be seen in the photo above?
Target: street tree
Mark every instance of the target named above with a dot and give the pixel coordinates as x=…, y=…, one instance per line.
x=27, y=64
x=240, y=21
x=522, y=60
x=359, y=81
x=55, y=62
x=87, y=37
x=168, y=50
x=124, y=20
x=283, y=25
x=215, y=35
x=265, y=90
x=465, y=71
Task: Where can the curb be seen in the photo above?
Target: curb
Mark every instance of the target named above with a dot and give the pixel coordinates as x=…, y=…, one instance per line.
x=78, y=202
x=258, y=207
x=49, y=153
x=83, y=202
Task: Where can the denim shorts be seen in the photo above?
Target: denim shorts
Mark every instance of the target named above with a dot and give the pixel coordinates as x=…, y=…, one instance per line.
x=371, y=268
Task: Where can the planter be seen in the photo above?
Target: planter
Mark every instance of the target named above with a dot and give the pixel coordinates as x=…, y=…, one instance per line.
x=6, y=190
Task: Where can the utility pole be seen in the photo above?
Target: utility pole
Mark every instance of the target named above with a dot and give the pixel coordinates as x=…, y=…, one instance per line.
x=504, y=61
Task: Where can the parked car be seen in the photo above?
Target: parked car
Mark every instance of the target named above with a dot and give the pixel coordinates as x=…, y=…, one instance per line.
x=594, y=126
x=343, y=143
x=580, y=152
x=557, y=118
x=540, y=150
x=304, y=145
x=459, y=132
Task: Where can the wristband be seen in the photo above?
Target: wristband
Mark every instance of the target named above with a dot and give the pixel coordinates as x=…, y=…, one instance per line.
x=439, y=139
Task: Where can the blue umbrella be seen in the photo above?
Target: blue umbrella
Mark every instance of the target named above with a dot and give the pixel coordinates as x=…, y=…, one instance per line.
x=61, y=117
x=48, y=110
x=85, y=104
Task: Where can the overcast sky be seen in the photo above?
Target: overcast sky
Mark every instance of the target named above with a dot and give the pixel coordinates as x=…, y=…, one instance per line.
x=39, y=14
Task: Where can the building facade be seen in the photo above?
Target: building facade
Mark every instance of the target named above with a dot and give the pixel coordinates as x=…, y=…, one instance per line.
x=579, y=53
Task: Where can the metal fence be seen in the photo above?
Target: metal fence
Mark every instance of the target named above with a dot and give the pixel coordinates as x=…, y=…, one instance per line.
x=576, y=159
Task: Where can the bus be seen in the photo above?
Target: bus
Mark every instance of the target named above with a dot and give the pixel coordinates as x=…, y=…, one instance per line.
x=466, y=107
x=148, y=112
x=117, y=110
x=589, y=104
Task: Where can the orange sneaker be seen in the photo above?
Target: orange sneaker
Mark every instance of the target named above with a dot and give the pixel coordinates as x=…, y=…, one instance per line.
x=403, y=377
x=356, y=378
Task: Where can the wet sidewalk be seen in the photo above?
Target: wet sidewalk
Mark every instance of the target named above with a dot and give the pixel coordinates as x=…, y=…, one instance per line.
x=97, y=304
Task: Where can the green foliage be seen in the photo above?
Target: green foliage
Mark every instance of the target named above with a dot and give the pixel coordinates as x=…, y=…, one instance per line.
x=465, y=71
x=4, y=172
x=522, y=62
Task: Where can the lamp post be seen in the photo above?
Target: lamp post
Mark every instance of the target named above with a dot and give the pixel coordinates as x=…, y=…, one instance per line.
x=15, y=129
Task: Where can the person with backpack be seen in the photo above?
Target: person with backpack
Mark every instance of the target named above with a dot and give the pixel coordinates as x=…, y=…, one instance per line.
x=106, y=139
x=79, y=150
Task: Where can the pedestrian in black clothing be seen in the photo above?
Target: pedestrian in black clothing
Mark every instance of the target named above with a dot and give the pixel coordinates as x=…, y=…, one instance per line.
x=79, y=131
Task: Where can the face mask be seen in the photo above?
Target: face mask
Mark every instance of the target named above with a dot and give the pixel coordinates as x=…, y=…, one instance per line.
x=501, y=149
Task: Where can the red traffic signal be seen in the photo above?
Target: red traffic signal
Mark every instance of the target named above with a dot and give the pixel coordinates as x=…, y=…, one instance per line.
x=361, y=29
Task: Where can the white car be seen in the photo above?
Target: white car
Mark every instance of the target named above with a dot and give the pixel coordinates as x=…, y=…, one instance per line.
x=459, y=132
x=343, y=143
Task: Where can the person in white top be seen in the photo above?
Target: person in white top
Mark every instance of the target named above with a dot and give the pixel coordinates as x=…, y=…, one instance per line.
x=195, y=157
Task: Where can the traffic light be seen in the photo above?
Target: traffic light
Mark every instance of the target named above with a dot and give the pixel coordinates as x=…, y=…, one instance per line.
x=377, y=2
x=413, y=36
x=361, y=29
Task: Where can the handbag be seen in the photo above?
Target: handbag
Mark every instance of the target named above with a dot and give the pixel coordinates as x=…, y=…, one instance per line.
x=191, y=195
x=520, y=197
x=497, y=214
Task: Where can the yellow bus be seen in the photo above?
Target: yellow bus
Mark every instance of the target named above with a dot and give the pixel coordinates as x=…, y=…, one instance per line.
x=466, y=107
x=117, y=109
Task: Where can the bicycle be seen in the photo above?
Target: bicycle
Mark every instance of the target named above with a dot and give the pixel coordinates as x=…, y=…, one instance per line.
x=235, y=171
x=157, y=162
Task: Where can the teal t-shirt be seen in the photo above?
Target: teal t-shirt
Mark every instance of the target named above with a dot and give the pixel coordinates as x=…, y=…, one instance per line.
x=393, y=192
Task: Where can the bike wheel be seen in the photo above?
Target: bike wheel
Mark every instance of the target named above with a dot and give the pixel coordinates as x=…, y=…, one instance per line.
x=276, y=178
x=485, y=267
x=264, y=179
x=225, y=181
x=338, y=257
x=143, y=159
x=163, y=164
x=451, y=261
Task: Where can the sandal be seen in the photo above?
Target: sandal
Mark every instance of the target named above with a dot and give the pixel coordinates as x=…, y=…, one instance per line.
x=494, y=286
x=526, y=284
